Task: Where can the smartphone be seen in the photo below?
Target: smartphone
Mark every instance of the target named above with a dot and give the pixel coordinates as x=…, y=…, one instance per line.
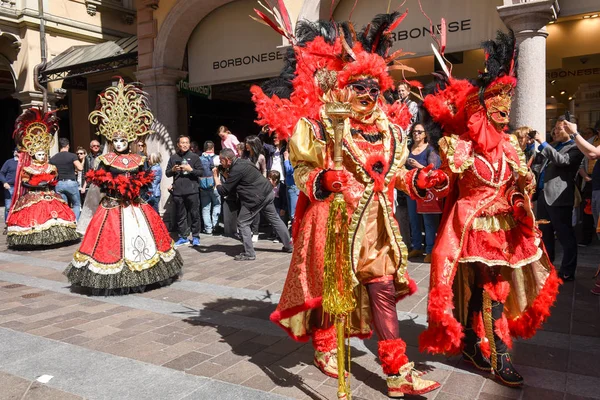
x=532, y=134
x=177, y=162
x=568, y=116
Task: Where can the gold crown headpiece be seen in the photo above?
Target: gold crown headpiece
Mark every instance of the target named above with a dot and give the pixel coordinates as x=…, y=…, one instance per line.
x=35, y=131
x=122, y=111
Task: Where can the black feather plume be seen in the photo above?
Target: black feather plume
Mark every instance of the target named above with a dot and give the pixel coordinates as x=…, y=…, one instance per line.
x=374, y=37
x=500, y=54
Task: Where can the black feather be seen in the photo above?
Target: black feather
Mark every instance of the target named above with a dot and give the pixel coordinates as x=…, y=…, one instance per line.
x=500, y=54
x=373, y=36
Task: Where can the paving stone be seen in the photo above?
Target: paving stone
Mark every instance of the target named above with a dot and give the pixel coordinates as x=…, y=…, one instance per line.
x=187, y=361
x=464, y=385
x=38, y=391
x=207, y=369
x=12, y=387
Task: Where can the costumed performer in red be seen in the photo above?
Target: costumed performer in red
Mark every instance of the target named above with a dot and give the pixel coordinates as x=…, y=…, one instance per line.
x=127, y=245
x=39, y=216
x=328, y=60
x=491, y=279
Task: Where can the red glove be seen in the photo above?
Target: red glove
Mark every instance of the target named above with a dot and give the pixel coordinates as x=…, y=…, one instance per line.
x=334, y=181
x=519, y=212
x=429, y=177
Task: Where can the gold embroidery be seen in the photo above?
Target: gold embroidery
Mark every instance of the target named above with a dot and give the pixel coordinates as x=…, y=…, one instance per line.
x=489, y=327
x=495, y=223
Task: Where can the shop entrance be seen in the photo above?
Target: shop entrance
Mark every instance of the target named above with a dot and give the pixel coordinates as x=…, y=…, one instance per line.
x=230, y=105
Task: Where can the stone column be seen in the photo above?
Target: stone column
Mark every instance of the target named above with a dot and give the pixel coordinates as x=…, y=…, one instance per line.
x=528, y=20
x=160, y=84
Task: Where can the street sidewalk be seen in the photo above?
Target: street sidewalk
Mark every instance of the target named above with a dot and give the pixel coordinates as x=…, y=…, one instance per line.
x=208, y=336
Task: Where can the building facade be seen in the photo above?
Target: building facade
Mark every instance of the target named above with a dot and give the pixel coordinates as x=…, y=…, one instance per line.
x=69, y=24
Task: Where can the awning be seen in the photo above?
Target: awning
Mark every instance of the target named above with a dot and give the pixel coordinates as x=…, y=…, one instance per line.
x=84, y=60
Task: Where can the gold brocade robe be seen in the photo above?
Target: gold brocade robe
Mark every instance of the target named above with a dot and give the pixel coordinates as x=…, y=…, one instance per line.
x=375, y=245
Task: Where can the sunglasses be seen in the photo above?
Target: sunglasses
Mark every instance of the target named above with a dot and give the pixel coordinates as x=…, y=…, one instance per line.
x=96, y=145
x=81, y=154
x=361, y=89
x=417, y=132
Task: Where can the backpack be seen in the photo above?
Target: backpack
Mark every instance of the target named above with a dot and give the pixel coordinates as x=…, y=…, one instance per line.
x=207, y=182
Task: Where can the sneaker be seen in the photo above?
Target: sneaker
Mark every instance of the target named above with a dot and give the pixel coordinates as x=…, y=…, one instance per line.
x=181, y=241
x=415, y=253
x=287, y=249
x=409, y=381
x=244, y=257
x=254, y=238
x=195, y=242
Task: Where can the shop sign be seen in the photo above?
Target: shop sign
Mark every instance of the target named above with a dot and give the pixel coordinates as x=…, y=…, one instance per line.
x=183, y=86
x=77, y=82
x=228, y=46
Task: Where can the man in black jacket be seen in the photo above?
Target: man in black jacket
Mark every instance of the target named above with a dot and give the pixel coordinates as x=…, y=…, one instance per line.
x=557, y=165
x=185, y=168
x=255, y=193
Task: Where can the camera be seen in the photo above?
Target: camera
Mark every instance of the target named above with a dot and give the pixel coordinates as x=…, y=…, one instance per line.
x=222, y=170
x=532, y=134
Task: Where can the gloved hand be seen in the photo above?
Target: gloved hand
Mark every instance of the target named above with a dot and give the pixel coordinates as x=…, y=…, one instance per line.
x=334, y=181
x=429, y=177
x=519, y=212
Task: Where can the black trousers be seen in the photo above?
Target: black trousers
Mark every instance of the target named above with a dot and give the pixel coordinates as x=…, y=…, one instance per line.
x=185, y=204
x=560, y=218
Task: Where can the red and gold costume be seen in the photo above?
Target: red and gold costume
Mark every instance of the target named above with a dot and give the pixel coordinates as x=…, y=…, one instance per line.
x=347, y=69
x=38, y=216
x=127, y=245
x=490, y=275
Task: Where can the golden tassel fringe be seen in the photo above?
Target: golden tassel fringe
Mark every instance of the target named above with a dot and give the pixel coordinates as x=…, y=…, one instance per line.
x=338, y=296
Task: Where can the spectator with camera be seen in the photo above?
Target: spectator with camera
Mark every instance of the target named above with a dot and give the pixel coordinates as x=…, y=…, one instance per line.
x=255, y=194
x=557, y=165
x=185, y=168
x=593, y=153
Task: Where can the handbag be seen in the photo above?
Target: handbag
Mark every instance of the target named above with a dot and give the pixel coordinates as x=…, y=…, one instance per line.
x=430, y=204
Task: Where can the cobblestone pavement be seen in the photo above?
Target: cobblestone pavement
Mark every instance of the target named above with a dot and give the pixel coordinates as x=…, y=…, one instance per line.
x=208, y=336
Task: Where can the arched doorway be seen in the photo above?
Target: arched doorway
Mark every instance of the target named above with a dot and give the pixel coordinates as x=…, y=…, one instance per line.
x=9, y=109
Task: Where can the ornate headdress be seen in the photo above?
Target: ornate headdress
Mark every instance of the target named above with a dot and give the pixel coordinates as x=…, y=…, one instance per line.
x=34, y=131
x=122, y=111
x=454, y=101
x=325, y=55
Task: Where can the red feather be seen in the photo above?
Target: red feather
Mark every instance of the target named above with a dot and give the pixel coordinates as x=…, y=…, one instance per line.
x=444, y=35
x=285, y=15
x=270, y=23
x=397, y=22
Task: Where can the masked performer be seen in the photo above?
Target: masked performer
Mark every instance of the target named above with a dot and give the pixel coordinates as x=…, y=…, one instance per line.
x=39, y=216
x=329, y=58
x=491, y=279
x=126, y=245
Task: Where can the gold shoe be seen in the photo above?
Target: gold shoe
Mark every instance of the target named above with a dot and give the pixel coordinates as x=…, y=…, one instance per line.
x=409, y=381
x=415, y=253
x=327, y=362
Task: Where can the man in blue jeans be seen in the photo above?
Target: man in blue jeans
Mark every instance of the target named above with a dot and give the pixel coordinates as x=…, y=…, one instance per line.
x=210, y=199
x=66, y=163
x=8, y=174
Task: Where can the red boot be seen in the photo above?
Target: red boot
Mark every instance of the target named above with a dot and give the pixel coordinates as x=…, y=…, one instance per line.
x=325, y=344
